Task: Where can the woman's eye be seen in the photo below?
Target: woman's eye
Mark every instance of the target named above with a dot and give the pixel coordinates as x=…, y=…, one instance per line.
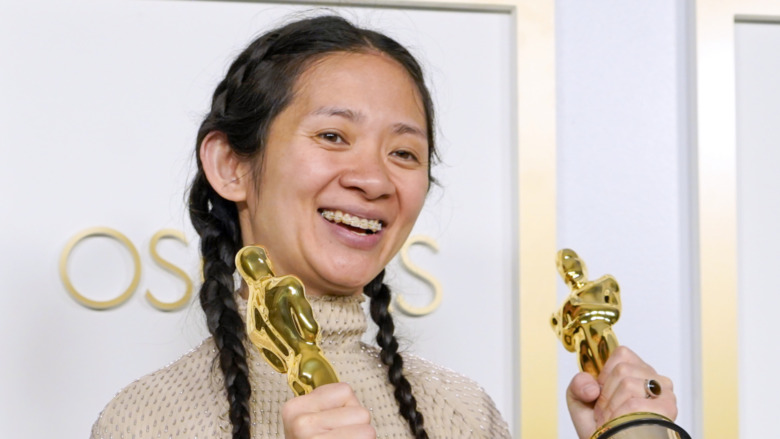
x=331, y=137
x=406, y=155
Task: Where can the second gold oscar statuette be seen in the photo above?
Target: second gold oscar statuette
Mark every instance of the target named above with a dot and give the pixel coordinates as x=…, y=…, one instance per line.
x=280, y=322
x=584, y=325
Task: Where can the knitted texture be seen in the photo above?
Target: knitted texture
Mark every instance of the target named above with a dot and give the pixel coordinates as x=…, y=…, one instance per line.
x=187, y=398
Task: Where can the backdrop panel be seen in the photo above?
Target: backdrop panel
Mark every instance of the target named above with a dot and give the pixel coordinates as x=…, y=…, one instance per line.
x=100, y=101
x=758, y=214
x=730, y=280
x=625, y=187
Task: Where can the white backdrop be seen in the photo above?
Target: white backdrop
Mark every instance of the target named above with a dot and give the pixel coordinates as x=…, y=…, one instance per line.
x=758, y=136
x=624, y=176
x=100, y=101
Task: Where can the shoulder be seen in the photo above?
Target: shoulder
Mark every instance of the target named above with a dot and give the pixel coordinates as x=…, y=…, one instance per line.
x=452, y=404
x=167, y=397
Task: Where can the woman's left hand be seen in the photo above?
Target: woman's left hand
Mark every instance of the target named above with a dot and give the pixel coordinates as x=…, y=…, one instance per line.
x=619, y=389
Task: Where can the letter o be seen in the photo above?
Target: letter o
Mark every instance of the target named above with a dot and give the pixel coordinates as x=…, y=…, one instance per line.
x=111, y=233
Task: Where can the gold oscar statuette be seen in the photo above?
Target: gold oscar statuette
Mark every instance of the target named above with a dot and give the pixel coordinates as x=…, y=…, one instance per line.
x=280, y=322
x=584, y=325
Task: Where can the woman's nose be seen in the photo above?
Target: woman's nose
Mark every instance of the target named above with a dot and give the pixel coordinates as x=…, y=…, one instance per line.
x=368, y=174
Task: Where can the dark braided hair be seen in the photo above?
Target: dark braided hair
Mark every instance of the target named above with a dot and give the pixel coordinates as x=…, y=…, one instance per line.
x=379, y=293
x=258, y=85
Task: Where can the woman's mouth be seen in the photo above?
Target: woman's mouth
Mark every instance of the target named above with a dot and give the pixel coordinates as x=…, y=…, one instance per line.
x=356, y=224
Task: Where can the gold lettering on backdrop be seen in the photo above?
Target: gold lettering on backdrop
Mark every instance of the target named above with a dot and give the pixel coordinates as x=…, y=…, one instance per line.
x=403, y=305
x=421, y=274
x=157, y=303
x=105, y=232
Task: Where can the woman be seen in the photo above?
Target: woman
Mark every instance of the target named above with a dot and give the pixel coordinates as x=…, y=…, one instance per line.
x=318, y=146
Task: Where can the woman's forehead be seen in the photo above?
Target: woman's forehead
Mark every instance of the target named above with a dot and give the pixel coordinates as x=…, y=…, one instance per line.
x=333, y=81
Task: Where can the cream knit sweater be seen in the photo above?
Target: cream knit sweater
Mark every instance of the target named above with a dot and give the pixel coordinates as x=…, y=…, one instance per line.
x=187, y=399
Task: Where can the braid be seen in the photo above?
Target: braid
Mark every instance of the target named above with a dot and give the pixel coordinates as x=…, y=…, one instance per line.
x=215, y=220
x=380, y=300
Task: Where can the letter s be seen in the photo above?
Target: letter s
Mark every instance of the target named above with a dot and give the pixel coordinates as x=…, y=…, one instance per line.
x=423, y=275
x=169, y=306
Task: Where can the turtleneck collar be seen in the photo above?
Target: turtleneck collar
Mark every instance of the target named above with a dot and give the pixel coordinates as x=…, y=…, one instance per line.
x=342, y=319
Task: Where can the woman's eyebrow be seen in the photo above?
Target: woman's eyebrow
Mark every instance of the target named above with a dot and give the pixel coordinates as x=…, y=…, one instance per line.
x=402, y=128
x=346, y=113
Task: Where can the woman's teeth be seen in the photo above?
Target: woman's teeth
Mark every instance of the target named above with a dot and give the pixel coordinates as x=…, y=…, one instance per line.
x=351, y=220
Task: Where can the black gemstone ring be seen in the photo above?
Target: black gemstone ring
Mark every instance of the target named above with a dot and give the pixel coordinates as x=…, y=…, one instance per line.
x=652, y=388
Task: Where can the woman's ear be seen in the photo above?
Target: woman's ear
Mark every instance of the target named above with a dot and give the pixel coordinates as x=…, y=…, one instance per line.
x=227, y=173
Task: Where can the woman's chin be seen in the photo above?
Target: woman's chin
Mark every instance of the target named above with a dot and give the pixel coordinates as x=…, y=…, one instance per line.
x=332, y=293
x=343, y=284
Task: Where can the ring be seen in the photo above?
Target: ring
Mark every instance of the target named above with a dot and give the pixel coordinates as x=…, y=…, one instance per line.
x=652, y=388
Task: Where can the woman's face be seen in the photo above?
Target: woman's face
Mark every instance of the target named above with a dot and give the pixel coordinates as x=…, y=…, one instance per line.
x=344, y=174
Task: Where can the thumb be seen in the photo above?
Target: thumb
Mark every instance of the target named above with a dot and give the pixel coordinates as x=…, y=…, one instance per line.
x=581, y=396
x=583, y=389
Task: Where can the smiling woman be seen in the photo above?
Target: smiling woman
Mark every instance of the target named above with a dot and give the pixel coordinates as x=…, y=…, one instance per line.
x=318, y=146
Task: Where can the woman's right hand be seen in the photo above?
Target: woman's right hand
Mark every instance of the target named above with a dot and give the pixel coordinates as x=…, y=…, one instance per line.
x=331, y=411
